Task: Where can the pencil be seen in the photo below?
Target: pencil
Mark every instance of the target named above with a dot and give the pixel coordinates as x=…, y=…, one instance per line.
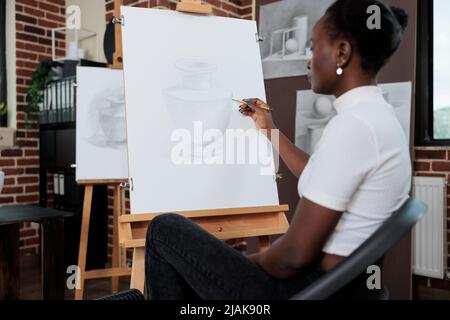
x=264, y=106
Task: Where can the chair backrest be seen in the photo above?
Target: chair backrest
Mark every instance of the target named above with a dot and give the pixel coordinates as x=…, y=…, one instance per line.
x=373, y=249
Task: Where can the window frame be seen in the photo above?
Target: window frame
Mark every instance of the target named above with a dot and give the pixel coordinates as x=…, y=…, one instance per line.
x=424, y=77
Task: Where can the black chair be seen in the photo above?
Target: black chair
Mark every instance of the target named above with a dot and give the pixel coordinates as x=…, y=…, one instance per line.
x=348, y=279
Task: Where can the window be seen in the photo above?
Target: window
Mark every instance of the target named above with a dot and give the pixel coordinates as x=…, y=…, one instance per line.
x=441, y=70
x=433, y=73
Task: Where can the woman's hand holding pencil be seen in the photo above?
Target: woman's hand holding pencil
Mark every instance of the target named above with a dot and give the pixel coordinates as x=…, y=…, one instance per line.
x=260, y=112
x=256, y=103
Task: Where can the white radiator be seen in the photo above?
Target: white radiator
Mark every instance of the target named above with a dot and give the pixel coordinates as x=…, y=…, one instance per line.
x=429, y=255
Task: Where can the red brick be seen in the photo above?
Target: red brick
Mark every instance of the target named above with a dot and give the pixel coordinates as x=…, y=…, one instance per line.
x=109, y=6
x=48, y=7
x=45, y=41
x=32, y=3
x=448, y=155
x=4, y=200
x=27, y=180
x=13, y=171
x=47, y=24
x=25, y=55
x=220, y=13
x=19, y=27
x=31, y=189
x=7, y=162
x=27, y=143
x=421, y=166
x=12, y=190
x=58, y=2
x=31, y=152
x=229, y=7
x=9, y=181
x=27, y=199
x=55, y=18
x=23, y=73
x=215, y=3
x=27, y=19
x=33, y=12
x=35, y=49
x=441, y=166
x=430, y=154
x=246, y=12
x=32, y=170
x=12, y=153
x=27, y=162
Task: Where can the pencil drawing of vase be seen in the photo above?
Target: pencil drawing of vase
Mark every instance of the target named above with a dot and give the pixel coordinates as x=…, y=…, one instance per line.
x=106, y=119
x=195, y=100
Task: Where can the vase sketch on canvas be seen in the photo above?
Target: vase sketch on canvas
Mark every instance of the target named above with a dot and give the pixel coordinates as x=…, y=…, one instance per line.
x=196, y=101
x=101, y=140
x=106, y=119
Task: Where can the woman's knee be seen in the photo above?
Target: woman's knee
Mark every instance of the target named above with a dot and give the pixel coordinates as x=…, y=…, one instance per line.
x=164, y=224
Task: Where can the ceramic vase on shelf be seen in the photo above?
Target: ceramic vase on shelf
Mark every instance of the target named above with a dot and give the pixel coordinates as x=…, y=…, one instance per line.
x=301, y=33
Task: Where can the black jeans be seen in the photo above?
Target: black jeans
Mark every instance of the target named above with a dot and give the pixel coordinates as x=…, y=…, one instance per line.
x=183, y=261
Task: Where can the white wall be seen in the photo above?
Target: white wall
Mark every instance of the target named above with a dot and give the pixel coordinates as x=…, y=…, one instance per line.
x=11, y=61
x=92, y=18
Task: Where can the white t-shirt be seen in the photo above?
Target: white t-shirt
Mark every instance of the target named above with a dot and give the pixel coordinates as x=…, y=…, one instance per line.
x=361, y=167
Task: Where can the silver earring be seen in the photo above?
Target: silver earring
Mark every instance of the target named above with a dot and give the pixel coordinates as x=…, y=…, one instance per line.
x=339, y=71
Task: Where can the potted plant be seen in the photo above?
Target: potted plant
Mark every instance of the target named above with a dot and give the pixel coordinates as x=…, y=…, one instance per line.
x=35, y=94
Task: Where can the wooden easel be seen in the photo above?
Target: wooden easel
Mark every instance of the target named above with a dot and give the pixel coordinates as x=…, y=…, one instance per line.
x=118, y=53
x=117, y=269
x=225, y=224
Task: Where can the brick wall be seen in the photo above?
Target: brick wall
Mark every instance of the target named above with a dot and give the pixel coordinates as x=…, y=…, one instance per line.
x=34, y=20
x=226, y=8
x=434, y=162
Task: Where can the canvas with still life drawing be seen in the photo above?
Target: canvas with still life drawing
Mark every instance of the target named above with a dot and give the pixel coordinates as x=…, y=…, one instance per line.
x=179, y=91
x=101, y=141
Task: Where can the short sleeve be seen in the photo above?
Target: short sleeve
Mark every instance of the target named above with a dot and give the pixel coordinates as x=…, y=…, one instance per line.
x=345, y=156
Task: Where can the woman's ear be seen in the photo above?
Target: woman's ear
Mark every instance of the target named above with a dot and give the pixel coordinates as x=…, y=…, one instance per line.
x=344, y=53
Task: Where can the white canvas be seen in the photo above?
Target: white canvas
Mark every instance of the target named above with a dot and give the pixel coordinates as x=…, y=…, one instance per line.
x=181, y=68
x=101, y=142
x=314, y=111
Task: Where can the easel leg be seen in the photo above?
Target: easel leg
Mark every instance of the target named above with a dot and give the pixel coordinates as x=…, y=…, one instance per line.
x=116, y=253
x=138, y=269
x=264, y=243
x=82, y=252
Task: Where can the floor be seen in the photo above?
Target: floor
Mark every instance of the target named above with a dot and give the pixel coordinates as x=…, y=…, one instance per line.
x=30, y=284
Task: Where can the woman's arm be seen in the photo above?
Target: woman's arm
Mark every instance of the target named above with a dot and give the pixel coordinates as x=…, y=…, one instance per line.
x=302, y=244
x=293, y=157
